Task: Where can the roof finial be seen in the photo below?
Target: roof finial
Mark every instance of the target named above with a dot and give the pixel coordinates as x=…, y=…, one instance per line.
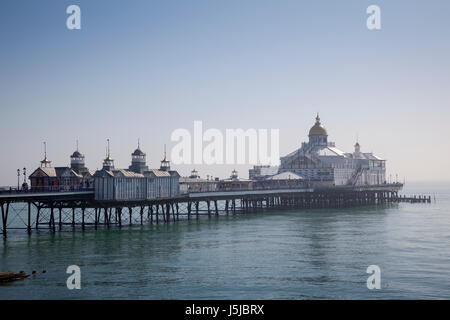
x=45, y=150
x=164, y=151
x=317, y=118
x=139, y=144
x=77, y=144
x=108, y=150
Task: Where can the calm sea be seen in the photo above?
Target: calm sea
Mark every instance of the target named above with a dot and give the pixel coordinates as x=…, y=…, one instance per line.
x=316, y=254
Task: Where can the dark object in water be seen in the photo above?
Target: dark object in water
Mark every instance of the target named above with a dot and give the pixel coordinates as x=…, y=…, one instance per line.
x=11, y=276
x=44, y=271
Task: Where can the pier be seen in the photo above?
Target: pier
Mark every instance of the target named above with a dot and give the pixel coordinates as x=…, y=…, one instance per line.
x=55, y=211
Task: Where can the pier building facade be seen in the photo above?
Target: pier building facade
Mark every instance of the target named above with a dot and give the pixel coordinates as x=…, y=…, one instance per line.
x=194, y=183
x=75, y=177
x=136, y=183
x=321, y=163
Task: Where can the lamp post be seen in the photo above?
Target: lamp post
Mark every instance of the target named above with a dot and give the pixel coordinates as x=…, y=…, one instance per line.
x=25, y=185
x=18, y=179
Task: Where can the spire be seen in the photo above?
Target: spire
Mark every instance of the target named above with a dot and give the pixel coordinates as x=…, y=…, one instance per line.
x=108, y=163
x=77, y=144
x=317, y=119
x=139, y=144
x=45, y=163
x=165, y=164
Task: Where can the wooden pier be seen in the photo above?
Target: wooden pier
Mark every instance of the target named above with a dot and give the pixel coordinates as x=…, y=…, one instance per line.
x=79, y=210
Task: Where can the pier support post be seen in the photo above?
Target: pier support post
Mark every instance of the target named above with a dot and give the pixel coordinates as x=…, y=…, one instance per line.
x=37, y=217
x=83, y=211
x=150, y=208
x=59, y=218
x=130, y=212
x=5, y=219
x=216, y=208
x=189, y=207
x=29, y=219
x=52, y=219
x=196, y=209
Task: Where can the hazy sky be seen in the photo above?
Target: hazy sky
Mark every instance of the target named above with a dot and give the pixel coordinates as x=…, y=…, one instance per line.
x=141, y=69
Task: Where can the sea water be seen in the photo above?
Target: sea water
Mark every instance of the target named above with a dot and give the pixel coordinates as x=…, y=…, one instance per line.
x=308, y=254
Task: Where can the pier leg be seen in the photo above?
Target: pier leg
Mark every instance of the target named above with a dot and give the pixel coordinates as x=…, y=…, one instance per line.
x=209, y=209
x=52, y=219
x=73, y=218
x=196, y=209
x=216, y=207
x=157, y=214
x=189, y=207
x=130, y=212
x=60, y=218
x=151, y=213
x=29, y=219
x=82, y=218
x=37, y=217
x=178, y=211
x=142, y=214
x=96, y=218
x=5, y=219
x=173, y=212
x=167, y=213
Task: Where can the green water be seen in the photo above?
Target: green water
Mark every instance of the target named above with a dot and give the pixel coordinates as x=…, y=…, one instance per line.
x=315, y=254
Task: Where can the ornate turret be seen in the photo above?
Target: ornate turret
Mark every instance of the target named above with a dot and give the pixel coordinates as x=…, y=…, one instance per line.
x=194, y=174
x=138, y=160
x=234, y=175
x=77, y=163
x=108, y=163
x=318, y=134
x=165, y=164
x=45, y=163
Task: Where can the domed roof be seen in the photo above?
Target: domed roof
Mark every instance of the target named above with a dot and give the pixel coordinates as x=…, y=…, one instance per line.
x=318, y=128
x=138, y=152
x=77, y=154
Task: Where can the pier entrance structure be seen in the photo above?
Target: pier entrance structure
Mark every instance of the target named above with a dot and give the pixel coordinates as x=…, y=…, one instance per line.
x=80, y=210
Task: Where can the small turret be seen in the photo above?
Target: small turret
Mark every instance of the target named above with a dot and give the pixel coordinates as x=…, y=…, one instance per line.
x=45, y=163
x=108, y=163
x=138, y=160
x=165, y=164
x=77, y=163
x=194, y=174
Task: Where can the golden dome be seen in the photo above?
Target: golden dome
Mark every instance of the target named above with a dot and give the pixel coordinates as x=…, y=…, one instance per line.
x=317, y=128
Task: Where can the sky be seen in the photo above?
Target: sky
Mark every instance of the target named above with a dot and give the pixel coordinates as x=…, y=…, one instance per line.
x=141, y=69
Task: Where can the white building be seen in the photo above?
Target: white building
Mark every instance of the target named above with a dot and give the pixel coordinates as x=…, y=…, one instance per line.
x=321, y=163
x=138, y=183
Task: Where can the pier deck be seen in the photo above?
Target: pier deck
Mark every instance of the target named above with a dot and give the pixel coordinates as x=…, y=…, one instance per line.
x=57, y=210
